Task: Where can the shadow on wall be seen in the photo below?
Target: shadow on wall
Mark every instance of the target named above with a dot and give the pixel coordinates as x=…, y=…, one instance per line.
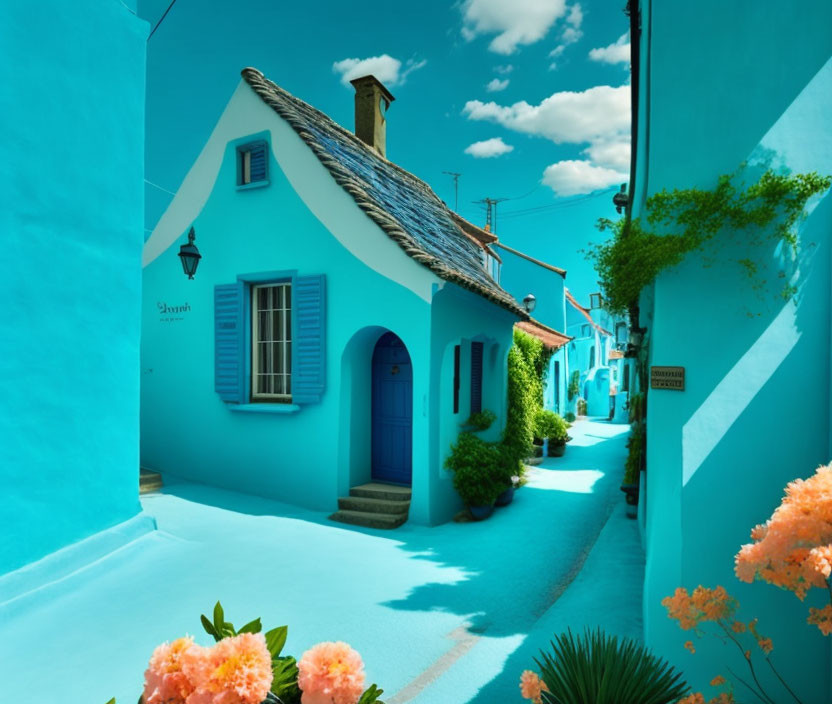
x=756, y=417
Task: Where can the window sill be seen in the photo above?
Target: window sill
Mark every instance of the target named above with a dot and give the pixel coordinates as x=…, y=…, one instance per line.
x=264, y=407
x=253, y=184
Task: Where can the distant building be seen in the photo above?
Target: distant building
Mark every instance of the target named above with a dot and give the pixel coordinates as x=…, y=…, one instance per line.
x=341, y=327
x=720, y=87
x=71, y=172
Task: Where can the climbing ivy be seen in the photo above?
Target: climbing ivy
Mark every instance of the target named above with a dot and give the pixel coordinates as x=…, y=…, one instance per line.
x=687, y=219
x=528, y=360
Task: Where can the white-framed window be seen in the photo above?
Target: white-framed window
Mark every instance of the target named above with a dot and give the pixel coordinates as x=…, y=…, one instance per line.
x=271, y=342
x=595, y=300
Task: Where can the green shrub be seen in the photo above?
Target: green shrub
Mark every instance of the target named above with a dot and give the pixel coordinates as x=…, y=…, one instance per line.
x=636, y=448
x=477, y=470
x=549, y=424
x=482, y=420
x=569, y=417
x=636, y=405
x=574, y=385
x=595, y=668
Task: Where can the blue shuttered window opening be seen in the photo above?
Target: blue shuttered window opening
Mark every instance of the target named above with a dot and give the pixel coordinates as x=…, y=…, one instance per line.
x=476, y=377
x=229, y=338
x=308, y=359
x=252, y=163
x=232, y=343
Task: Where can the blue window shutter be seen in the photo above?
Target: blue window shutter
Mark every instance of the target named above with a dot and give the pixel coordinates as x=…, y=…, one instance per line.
x=229, y=341
x=309, y=344
x=259, y=162
x=476, y=377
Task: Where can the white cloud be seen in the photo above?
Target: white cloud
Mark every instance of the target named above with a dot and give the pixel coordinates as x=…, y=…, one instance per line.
x=598, y=113
x=504, y=69
x=488, y=148
x=495, y=85
x=570, y=34
x=515, y=23
x=614, y=152
x=571, y=177
x=616, y=53
x=387, y=69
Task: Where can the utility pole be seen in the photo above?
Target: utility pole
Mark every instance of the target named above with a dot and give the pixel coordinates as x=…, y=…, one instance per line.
x=455, y=177
x=491, y=215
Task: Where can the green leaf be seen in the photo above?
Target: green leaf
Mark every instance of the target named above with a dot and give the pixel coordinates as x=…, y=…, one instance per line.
x=252, y=627
x=276, y=639
x=112, y=701
x=209, y=628
x=285, y=680
x=371, y=695
x=218, y=618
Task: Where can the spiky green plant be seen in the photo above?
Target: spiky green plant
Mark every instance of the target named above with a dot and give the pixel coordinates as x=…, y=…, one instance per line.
x=594, y=668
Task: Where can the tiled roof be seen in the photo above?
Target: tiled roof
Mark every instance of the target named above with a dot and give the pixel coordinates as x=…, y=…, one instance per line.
x=402, y=205
x=525, y=256
x=585, y=312
x=549, y=336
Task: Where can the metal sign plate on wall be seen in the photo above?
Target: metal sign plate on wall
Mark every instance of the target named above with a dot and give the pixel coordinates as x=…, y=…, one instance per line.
x=672, y=378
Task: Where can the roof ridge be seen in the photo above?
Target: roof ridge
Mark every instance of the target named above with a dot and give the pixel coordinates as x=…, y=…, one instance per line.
x=292, y=110
x=533, y=260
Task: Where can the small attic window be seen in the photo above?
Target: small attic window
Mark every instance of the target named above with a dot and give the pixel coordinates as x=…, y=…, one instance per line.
x=253, y=164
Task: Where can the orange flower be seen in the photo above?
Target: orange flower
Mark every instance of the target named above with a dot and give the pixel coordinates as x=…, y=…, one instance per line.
x=793, y=550
x=738, y=627
x=765, y=645
x=747, y=655
x=689, y=645
x=718, y=681
x=700, y=606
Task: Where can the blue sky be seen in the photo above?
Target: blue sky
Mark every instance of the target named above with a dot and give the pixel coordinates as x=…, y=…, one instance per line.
x=528, y=99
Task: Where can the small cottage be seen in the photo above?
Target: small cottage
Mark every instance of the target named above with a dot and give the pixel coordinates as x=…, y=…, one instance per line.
x=340, y=327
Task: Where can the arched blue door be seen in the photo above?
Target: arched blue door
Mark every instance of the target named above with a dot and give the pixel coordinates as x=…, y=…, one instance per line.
x=392, y=426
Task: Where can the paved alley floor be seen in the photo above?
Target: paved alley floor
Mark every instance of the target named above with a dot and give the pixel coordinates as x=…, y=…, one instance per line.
x=449, y=615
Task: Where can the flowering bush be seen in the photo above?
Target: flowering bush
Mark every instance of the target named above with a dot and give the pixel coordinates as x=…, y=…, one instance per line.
x=246, y=667
x=793, y=550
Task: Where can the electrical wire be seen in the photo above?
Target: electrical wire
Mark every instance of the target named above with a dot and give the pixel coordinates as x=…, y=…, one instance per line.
x=161, y=19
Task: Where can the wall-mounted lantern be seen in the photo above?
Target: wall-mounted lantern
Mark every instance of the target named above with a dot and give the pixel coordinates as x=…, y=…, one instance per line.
x=529, y=302
x=190, y=255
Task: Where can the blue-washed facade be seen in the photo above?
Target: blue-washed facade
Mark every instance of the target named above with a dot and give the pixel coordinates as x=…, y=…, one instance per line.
x=341, y=326
x=71, y=172
x=729, y=88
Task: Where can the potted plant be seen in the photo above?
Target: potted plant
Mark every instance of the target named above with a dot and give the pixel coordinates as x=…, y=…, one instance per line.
x=632, y=468
x=581, y=407
x=474, y=463
x=506, y=465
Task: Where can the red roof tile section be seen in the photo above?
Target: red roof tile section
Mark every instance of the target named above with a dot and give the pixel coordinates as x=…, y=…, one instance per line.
x=585, y=312
x=548, y=336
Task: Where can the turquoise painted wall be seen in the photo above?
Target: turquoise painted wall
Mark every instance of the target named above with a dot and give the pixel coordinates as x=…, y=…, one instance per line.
x=520, y=277
x=748, y=422
x=311, y=455
x=71, y=171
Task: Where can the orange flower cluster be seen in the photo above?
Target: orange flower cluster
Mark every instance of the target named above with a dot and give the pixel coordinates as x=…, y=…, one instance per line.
x=700, y=606
x=699, y=698
x=793, y=550
x=822, y=618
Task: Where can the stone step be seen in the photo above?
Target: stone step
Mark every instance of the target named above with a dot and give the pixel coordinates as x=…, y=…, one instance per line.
x=377, y=490
x=149, y=481
x=368, y=519
x=362, y=503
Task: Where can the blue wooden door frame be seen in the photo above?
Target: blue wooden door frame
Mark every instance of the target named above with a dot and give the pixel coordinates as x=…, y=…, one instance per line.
x=392, y=411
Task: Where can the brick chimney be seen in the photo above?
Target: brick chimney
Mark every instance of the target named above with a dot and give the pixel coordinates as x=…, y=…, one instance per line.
x=371, y=102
